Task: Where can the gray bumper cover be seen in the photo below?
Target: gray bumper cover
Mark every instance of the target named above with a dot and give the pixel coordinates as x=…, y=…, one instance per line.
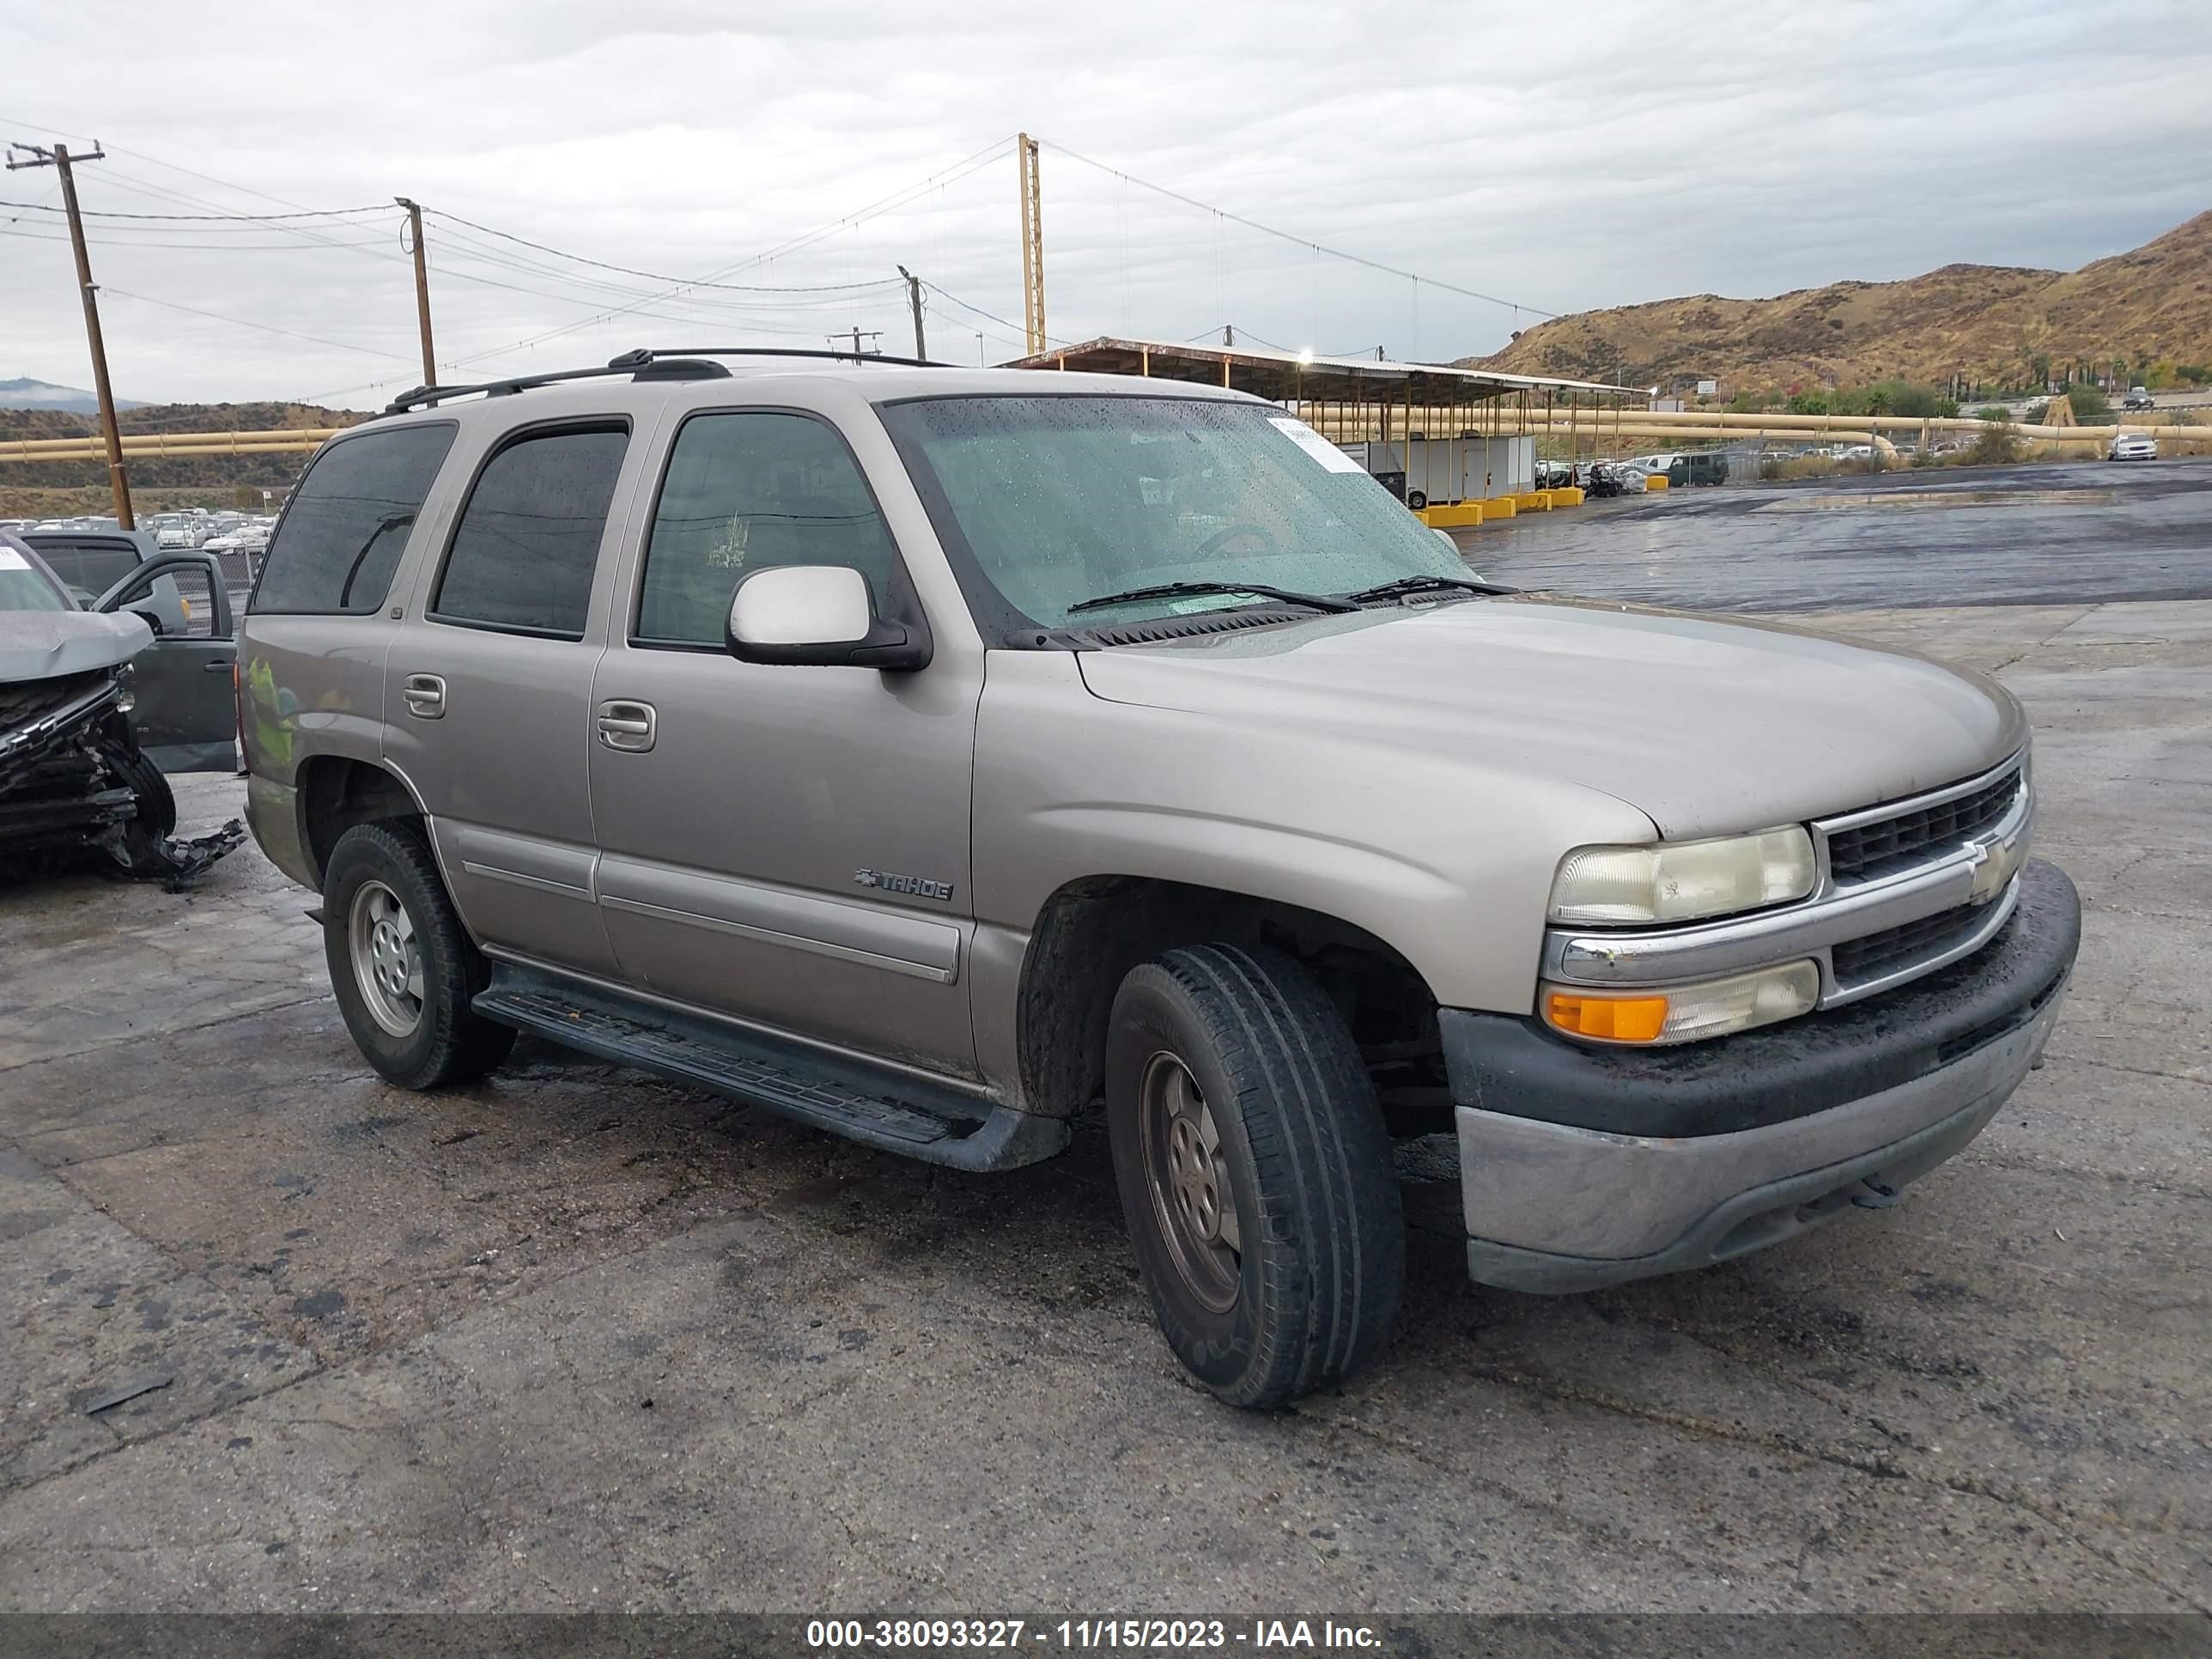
x=1561, y=1206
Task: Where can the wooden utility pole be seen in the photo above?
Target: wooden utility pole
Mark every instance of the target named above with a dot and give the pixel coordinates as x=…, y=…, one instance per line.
x=1025, y=151
x=59, y=159
x=422, y=289
x=914, y=299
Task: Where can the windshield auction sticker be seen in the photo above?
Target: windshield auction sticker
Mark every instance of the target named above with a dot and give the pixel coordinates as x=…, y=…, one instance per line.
x=1331, y=457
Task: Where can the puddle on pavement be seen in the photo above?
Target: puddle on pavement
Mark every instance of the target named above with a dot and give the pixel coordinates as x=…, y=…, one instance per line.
x=1913, y=498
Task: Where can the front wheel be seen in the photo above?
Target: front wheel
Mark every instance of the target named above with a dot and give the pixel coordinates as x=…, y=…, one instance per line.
x=1256, y=1172
x=402, y=968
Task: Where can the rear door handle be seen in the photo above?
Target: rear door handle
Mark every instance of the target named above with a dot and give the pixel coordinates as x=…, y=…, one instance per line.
x=425, y=694
x=628, y=727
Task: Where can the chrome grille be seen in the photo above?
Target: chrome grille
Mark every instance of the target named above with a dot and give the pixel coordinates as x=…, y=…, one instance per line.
x=1876, y=954
x=1870, y=850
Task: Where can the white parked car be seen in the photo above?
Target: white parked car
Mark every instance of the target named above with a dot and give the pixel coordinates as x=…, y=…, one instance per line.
x=2134, y=447
x=246, y=538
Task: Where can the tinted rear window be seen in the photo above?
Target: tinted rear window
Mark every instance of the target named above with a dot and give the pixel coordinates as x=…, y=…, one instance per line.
x=91, y=566
x=529, y=538
x=349, y=520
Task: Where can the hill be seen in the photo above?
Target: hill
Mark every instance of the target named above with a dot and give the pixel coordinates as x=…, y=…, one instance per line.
x=44, y=394
x=1995, y=325
x=50, y=486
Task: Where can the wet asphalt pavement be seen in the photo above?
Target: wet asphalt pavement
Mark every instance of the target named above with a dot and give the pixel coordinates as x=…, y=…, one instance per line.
x=2048, y=534
x=575, y=1338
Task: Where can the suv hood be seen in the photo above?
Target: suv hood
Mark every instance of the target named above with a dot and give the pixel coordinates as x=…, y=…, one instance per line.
x=1708, y=726
x=38, y=645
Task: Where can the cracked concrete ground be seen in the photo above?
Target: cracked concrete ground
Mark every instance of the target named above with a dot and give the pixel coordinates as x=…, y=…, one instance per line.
x=578, y=1339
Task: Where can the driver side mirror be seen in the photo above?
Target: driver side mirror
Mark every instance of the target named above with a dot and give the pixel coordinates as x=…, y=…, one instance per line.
x=819, y=615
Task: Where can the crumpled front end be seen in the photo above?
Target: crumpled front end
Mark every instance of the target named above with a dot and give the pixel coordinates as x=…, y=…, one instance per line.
x=73, y=783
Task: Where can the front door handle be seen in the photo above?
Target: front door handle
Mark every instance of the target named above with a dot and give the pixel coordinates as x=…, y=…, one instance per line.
x=425, y=697
x=628, y=727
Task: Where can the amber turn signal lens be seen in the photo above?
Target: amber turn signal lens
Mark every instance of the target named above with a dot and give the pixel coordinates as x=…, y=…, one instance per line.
x=1619, y=1019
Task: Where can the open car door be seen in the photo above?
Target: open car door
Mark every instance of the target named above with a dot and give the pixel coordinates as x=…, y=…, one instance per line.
x=186, y=717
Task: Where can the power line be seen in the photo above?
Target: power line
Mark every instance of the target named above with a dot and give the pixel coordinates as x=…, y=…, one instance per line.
x=897, y=198
x=650, y=276
x=187, y=247
x=241, y=322
x=238, y=218
x=1300, y=242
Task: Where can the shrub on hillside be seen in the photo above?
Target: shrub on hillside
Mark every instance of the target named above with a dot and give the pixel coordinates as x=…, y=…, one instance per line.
x=2091, y=407
x=1997, y=444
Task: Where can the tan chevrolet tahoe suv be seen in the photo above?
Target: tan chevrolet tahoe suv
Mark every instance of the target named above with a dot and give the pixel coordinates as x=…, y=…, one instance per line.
x=936, y=755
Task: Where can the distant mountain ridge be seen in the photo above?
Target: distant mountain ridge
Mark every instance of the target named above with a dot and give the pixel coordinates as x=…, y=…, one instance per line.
x=27, y=394
x=1988, y=323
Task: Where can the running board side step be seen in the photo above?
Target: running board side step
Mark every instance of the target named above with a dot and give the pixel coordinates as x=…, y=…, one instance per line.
x=877, y=1107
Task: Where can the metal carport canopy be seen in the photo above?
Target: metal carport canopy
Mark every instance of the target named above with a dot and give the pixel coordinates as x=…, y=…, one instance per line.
x=1289, y=377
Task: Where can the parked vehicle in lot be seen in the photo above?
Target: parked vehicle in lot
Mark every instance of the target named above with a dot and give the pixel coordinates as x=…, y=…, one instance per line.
x=86, y=696
x=933, y=755
x=188, y=720
x=249, y=537
x=2133, y=446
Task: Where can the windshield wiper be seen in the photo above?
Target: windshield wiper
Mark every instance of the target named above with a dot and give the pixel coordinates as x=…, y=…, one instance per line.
x=1428, y=585
x=1173, y=590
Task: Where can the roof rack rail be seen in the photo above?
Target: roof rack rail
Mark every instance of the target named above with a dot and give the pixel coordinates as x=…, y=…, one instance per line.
x=643, y=363
x=651, y=366
x=648, y=353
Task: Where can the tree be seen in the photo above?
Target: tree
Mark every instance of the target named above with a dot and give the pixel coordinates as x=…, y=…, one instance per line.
x=2091, y=406
x=1808, y=402
x=1990, y=412
x=1995, y=445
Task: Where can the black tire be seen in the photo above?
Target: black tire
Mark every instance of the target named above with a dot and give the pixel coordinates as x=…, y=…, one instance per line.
x=1319, y=1267
x=1416, y=499
x=155, y=820
x=448, y=1042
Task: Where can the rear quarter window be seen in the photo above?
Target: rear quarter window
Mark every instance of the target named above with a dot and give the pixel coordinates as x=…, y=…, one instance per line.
x=348, y=522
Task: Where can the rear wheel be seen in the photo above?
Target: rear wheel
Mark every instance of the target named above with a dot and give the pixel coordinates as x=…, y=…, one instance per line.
x=401, y=965
x=1255, y=1170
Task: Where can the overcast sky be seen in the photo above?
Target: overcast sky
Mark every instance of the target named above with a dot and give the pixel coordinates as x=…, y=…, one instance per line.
x=1557, y=157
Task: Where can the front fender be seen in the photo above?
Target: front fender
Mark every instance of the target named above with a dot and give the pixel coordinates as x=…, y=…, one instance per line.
x=1445, y=861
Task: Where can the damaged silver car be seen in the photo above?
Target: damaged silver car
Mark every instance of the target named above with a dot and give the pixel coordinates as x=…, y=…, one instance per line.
x=81, y=757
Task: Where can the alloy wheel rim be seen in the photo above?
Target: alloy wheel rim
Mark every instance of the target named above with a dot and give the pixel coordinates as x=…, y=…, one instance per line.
x=387, y=965
x=1189, y=1176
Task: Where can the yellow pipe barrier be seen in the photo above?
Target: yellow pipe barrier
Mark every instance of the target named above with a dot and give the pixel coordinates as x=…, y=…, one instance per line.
x=95, y=452
x=302, y=434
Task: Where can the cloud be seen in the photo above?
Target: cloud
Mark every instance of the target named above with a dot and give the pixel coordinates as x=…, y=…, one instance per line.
x=1560, y=157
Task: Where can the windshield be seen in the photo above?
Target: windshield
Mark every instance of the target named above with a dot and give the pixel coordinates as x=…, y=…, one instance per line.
x=24, y=587
x=1060, y=500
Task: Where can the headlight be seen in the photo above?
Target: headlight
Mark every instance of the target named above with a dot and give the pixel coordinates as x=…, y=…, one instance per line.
x=1682, y=1013
x=1683, y=881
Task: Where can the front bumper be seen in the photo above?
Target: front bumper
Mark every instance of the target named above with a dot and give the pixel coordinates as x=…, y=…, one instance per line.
x=1582, y=1166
